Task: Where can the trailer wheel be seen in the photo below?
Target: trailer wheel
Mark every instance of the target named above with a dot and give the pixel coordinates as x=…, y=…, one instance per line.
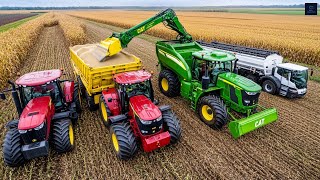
x=90, y=102
x=172, y=125
x=76, y=98
x=12, y=153
x=269, y=87
x=213, y=112
x=169, y=83
x=63, y=137
x=81, y=87
x=105, y=112
x=123, y=140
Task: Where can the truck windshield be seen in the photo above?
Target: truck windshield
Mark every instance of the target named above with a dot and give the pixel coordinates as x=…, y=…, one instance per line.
x=299, y=78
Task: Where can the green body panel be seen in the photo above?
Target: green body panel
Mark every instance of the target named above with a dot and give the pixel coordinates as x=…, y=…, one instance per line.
x=253, y=122
x=240, y=81
x=214, y=55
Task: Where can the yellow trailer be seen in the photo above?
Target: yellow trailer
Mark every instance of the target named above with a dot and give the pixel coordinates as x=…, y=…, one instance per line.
x=95, y=73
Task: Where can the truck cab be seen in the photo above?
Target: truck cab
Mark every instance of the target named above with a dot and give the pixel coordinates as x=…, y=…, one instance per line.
x=293, y=79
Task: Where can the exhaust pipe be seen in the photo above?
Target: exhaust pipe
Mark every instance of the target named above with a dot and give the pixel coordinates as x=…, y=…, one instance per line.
x=205, y=79
x=16, y=98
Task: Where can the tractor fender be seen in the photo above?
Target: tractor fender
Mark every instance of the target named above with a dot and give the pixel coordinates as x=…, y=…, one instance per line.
x=118, y=119
x=164, y=108
x=68, y=90
x=111, y=98
x=273, y=79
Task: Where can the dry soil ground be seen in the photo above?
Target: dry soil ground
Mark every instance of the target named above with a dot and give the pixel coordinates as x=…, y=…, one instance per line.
x=286, y=149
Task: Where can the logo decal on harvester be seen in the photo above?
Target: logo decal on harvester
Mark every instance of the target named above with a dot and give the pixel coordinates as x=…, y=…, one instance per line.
x=259, y=123
x=177, y=61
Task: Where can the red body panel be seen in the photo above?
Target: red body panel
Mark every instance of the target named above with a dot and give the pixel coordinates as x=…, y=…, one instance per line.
x=38, y=78
x=155, y=141
x=132, y=77
x=68, y=90
x=36, y=112
x=114, y=105
x=144, y=108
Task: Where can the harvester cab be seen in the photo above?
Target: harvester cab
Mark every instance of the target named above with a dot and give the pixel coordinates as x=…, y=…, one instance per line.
x=131, y=113
x=47, y=107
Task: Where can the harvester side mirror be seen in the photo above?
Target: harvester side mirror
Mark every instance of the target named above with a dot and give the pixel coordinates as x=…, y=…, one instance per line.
x=2, y=96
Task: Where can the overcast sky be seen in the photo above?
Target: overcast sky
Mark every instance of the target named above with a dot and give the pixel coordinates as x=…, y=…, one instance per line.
x=147, y=2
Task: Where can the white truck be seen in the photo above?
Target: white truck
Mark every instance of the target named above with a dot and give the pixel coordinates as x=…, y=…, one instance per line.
x=266, y=68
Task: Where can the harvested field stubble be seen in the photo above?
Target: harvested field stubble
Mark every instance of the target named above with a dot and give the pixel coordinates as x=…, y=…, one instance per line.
x=295, y=37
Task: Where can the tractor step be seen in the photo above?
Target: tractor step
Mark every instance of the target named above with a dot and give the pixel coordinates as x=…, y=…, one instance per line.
x=252, y=122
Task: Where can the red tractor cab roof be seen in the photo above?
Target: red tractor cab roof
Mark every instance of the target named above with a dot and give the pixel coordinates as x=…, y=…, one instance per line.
x=132, y=77
x=39, y=77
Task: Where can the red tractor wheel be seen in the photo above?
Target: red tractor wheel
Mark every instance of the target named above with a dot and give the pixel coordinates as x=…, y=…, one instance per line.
x=105, y=112
x=123, y=140
x=63, y=137
x=172, y=125
x=12, y=153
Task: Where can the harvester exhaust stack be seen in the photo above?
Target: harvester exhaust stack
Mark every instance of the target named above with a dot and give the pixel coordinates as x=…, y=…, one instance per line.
x=107, y=48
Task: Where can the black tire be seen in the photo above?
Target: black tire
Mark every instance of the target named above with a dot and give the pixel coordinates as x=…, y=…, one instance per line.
x=213, y=105
x=81, y=87
x=12, y=153
x=127, y=145
x=62, y=136
x=90, y=102
x=172, y=125
x=105, y=112
x=269, y=86
x=76, y=98
x=173, y=84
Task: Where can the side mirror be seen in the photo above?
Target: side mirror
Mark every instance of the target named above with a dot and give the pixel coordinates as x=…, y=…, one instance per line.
x=2, y=96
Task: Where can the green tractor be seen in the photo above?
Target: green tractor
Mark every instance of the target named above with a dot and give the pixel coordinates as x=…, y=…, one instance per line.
x=207, y=78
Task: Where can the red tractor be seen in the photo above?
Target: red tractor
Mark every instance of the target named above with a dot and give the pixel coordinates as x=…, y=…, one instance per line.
x=47, y=107
x=130, y=112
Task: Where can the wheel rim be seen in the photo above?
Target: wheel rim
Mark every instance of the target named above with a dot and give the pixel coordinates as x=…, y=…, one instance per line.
x=71, y=134
x=207, y=112
x=165, y=84
x=268, y=87
x=104, y=112
x=115, y=142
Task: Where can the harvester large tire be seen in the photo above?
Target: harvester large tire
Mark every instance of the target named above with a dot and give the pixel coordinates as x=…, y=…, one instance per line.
x=90, y=102
x=12, y=153
x=123, y=140
x=269, y=86
x=172, y=125
x=169, y=83
x=76, y=98
x=105, y=112
x=81, y=87
x=62, y=136
x=213, y=112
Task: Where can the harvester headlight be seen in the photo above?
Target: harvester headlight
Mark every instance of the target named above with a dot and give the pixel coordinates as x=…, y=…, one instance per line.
x=145, y=122
x=251, y=93
x=22, y=131
x=39, y=127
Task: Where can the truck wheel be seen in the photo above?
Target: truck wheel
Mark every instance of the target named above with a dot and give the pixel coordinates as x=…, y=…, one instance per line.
x=63, y=137
x=90, y=102
x=123, y=140
x=76, y=98
x=105, y=112
x=213, y=112
x=172, y=125
x=81, y=87
x=12, y=153
x=269, y=87
x=169, y=83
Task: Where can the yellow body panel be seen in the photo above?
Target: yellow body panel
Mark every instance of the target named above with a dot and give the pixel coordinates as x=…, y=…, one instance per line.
x=97, y=78
x=112, y=44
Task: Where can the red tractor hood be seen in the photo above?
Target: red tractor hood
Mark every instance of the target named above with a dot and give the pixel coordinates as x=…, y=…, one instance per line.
x=144, y=108
x=34, y=113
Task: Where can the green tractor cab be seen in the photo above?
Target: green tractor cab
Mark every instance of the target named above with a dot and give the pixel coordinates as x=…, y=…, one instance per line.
x=207, y=78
